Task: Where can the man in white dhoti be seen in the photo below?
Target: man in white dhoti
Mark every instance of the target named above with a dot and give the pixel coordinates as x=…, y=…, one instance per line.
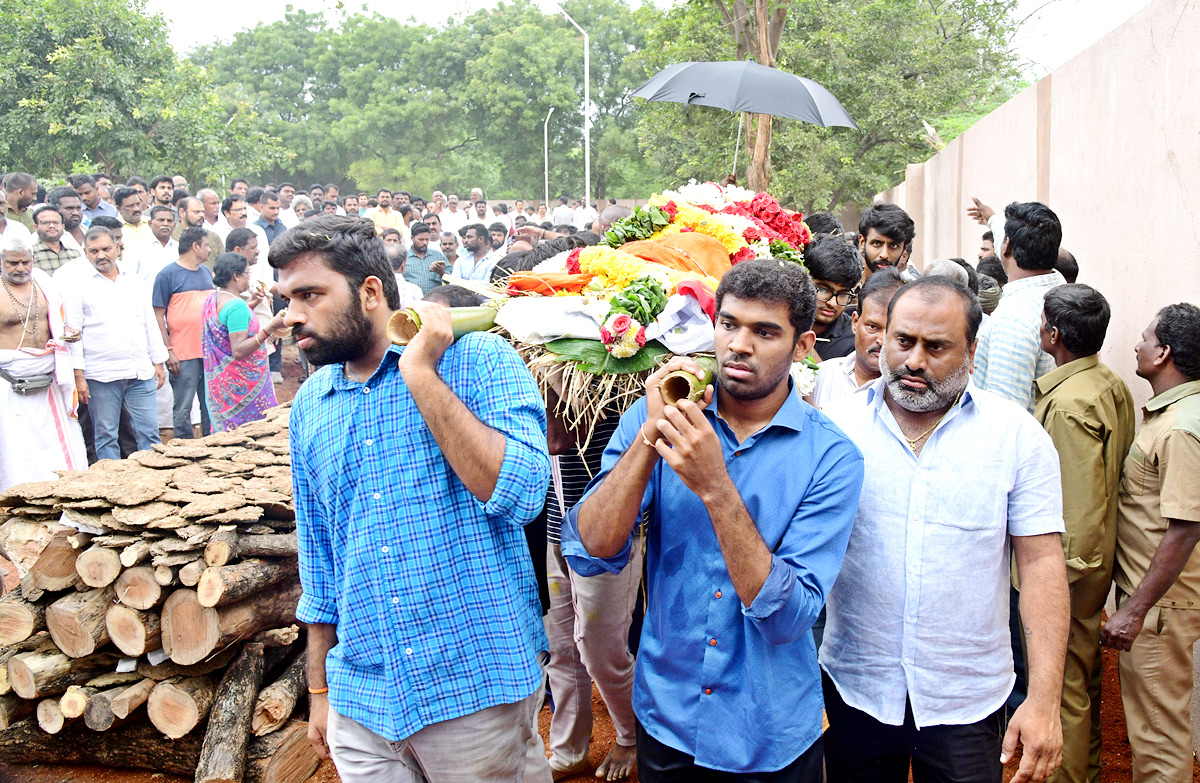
x=39, y=432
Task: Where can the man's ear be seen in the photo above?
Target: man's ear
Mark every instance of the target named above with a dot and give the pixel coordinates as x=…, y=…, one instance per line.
x=804, y=345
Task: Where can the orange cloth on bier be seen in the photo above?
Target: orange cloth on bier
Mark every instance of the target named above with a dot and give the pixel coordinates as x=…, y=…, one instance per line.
x=687, y=251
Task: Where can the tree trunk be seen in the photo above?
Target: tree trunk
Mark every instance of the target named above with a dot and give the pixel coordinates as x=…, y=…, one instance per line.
x=758, y=170
x=277, y=701
x=35, y=675
x=223, y=754
x=136, y=588
x=98, y=566
x=76, y=622
x=134, y=632
x=191, y=631
x=221, y=585
x=284, y=756
x=20, y=618
x=177, y=706
x=13, y=708
x=128, y=700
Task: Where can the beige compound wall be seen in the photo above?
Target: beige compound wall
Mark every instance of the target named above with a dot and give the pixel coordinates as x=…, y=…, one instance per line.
x=1111, y=141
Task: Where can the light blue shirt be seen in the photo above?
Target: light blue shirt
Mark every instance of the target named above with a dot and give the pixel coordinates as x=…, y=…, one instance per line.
x=736, y=687
x=1010, y=357
x=920, y=609
x=432, y=591
x=466, y=268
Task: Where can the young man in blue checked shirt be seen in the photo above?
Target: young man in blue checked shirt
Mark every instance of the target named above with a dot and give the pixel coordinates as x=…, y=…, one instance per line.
x=414, y=470
x=751, y=494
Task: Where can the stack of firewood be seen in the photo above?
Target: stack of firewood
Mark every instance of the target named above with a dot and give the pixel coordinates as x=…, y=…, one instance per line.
x=153, y=626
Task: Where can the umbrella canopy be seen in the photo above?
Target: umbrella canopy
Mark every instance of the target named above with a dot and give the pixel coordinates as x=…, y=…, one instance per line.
x=746, y=86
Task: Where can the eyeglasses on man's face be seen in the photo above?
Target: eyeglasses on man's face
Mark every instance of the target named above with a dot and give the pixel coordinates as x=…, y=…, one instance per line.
x=843, y=298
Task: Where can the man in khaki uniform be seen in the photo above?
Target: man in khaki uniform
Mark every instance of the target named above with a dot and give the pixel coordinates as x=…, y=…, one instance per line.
x=1089, y=414
x=1158, y=570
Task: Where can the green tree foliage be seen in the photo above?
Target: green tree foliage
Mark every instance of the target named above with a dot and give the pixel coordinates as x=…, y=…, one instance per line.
x=381, y=103
x=892, y=64
x=94, y=83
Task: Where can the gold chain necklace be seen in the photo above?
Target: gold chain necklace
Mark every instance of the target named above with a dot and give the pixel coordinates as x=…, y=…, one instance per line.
x=912, y=442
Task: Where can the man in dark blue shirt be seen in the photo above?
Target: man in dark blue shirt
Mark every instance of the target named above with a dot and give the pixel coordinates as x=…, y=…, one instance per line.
x=268, y=219
x=751, y=501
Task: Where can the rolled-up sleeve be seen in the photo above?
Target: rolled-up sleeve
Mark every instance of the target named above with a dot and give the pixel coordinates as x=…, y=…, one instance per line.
x=318, y=603
x=576, y=554
x=809, y=557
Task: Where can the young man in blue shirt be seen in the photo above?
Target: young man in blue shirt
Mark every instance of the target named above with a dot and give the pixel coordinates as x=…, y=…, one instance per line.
x=750, y=504
x=414, y=469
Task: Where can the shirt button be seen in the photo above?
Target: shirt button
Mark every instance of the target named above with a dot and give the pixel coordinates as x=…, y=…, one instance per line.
x=395, y=600
x=718, y=594
x=708, y=691
x=384, y=550
x=366, y=390
x=368, y=441
x=377, y=496
x=408, y=651
x=712, y=642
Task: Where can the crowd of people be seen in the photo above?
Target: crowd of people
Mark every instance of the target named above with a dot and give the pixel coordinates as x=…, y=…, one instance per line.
x=921, y=548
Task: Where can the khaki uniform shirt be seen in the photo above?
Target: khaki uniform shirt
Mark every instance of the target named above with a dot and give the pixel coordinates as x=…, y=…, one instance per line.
x=1089, y=414
x=1161, y=481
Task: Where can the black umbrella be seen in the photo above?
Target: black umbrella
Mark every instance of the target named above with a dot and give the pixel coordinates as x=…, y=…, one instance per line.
x=747, y=87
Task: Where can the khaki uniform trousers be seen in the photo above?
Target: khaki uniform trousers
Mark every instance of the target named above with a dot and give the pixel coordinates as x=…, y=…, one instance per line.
x=1156, y=687
x=1082, y=680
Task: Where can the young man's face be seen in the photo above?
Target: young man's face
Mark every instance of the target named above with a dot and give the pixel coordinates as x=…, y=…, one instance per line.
x=163, y=192
x=832, y=299
x=986, y=248
x=351, y=205
x=327, y=318
x=481, y=208
x=881, y=250
x=240, y=188
x=49, y=226
x=193, y=214
x=498, y=237
x=72, y=209
x=269, y=209
x=329, y=208
x=402, y=199
x=420, y=242
x=755, y=346
x=143, y=195
x=384, y=199
x=90, y=195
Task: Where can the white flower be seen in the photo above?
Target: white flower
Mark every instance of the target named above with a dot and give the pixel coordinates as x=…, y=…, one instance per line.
x=804, y=377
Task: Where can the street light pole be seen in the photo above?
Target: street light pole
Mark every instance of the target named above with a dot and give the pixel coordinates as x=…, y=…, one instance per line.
x=587, y=106
x=546, y=156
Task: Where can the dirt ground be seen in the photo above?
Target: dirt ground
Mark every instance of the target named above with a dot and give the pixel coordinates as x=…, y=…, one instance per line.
x=1115, y=765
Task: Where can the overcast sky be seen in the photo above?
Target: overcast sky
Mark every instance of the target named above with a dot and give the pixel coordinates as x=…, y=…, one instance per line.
x=1057, y=30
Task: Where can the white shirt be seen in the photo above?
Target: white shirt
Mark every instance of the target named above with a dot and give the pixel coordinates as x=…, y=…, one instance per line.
x=835, y=380
x=562, y=216
x=148, y=258
x=12, y=228
x=920, y=608
x=451, y=221
x=584, y=217
x=409, y=292
x=121, y=339
x=289, y=218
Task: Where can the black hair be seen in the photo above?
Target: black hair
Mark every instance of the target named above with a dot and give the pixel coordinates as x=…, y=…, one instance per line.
x=283, y=185
x=511, y=262
x=228, y=202
x=311, y=213
x=97, y=231
x=270, y=195
x=228, y=266
x=565, y=229
x=1034, y=234
x=388, y=231
x=161, y=178
x=497, y=226
x=1179, y=328
x=178, y=195
x=988, y=236
x=79, y=180
x=454, y=296
x=328, y=203
x=1081, y=315
x=823, y=223
x=136, y=180
x=889, y=220
x=121, y=193
x=991, y=266
x=404, y=209
x=18, y=180
x=331, y=185
x=234, y=184
x=347, y=245
x=588, y=237
x=830, y=258
x=46, y=208
x=937, y=287
x=56, y=195
x=1066, y=265
x=190, y=238
x=885, y=282
x=381, y=190
x=479, y=229
x=418, y=228
x=106, y=221
x=254, y=195
x=972, y=275
x=238, y=237
x=158, y=209
x=772, y=280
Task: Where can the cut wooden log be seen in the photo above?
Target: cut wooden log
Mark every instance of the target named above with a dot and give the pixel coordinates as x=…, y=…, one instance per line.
x=116, y=540
x=49, y=716
x=113, y=679
x=223, y=754
x=20, y=618
x=168, y=669
x=72, y=703
x=191, y=631
x=221, y=585
x=165, y=573
x=277, y=637
x=133, y=631
x=13, y=708
x=171, y=546
x=98, y=714
x=76, y=622
x=47, y=672
x=136, y=587
x=277, y=701
x=55, y=566
x=189, y=575
x=136, y=552
x=282, y=757
x=225, y=546
x=177, y=706
x=128, y=700
x=98, y=566
x=39, y=641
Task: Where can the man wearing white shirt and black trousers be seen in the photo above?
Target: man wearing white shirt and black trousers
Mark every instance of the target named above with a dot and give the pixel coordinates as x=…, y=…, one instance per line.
x=916, y=651
x=120, y=355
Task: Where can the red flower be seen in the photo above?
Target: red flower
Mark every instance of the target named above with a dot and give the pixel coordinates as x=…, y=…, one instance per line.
x=745, y=254
x=671, y=209
x=620, y=324
x=752, y=234
x=606, y=336
x=641, y=337
x=709, y=209
x=686, y=229
x=573, y=262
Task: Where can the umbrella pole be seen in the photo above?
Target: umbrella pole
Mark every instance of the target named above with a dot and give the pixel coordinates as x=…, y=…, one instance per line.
x=739, y=143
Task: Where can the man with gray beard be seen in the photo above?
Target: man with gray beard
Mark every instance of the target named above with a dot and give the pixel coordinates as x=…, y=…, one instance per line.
x=916, y=650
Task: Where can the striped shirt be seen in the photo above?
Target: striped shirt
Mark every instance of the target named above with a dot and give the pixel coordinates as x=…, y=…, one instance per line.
x=1010, y=357
x=570, y=475
x=432, y=591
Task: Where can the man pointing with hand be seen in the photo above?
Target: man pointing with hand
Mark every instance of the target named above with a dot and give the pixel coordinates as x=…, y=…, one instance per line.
x=750, y=495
